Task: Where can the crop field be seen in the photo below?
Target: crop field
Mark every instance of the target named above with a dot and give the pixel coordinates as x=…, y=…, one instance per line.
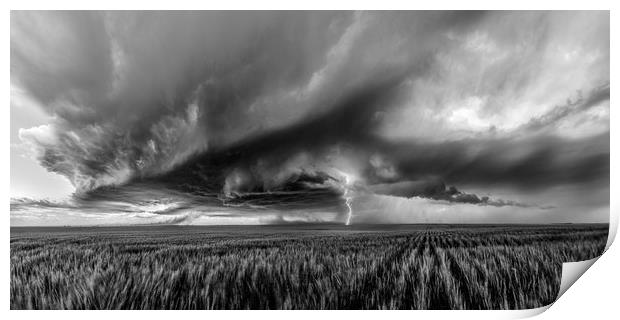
x=296, y=267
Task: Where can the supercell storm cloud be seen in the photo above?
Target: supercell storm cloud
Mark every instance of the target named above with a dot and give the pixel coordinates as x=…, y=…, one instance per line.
x=272, y=117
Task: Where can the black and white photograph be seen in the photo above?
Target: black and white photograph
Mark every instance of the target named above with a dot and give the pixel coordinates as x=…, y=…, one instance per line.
x=307, y=160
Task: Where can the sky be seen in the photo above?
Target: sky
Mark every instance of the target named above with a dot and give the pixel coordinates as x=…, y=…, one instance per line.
x=272, y=117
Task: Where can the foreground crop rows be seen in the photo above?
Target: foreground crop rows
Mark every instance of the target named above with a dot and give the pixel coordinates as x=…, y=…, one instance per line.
x=419, y=267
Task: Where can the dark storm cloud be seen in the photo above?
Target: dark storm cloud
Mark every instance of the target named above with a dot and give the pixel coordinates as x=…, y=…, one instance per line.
x=224, y=102
x=136, y=93
x=533, y=162
x=436, y=189
x=524, y=162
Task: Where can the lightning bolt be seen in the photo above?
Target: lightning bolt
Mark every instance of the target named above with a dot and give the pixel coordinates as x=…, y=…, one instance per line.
x=347, y=201
x=347, y=197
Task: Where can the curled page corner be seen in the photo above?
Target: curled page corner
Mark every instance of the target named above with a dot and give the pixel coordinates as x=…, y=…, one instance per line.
x=527, y=313
x=571, y=271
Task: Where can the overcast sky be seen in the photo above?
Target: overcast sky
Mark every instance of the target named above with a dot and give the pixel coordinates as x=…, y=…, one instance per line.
x=511, y=105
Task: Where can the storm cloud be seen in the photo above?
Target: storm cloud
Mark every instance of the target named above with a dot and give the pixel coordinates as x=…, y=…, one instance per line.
x=232, y=102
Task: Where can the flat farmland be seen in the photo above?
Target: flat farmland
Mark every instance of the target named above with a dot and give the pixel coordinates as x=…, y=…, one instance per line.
x=296, y=266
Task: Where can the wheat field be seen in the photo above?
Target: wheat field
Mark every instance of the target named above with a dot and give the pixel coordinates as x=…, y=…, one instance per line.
x=295, y=267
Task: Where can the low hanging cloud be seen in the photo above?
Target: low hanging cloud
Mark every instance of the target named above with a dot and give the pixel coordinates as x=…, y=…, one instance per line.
x=436, y=189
